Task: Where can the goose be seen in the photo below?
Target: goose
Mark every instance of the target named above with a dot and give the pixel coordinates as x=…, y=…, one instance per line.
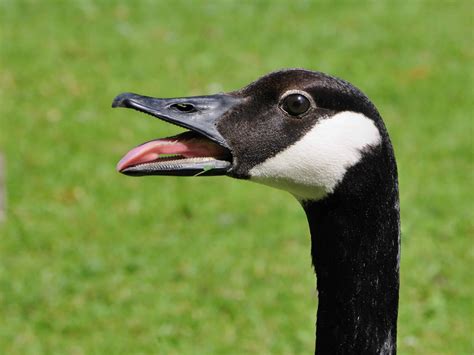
x=321, y=139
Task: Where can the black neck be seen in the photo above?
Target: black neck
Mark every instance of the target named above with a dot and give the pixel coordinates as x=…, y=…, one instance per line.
x=355, y=251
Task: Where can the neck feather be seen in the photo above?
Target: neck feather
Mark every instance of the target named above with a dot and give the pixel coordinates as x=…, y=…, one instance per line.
x=355, y=251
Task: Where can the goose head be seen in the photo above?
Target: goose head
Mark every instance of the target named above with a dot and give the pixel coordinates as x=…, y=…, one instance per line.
x=295, y=130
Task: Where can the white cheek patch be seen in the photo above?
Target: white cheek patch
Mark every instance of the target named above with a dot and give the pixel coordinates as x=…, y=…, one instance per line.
x=313, y=166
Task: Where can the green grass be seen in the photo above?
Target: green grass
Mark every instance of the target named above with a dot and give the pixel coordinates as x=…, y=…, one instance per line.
x=92, y=262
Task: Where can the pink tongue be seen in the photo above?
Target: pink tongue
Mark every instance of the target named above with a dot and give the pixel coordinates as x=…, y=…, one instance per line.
x=150, y=151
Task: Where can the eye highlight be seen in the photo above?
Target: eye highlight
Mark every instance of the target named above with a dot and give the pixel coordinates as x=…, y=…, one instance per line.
x=296, y=104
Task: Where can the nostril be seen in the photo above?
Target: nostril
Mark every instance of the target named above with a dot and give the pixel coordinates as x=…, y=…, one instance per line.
x=184, y=107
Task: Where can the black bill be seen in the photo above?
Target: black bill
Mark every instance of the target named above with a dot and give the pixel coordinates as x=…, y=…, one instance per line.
x=200, y=151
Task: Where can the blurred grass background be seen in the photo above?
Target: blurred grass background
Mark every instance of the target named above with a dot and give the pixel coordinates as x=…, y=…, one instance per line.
x=92, y=262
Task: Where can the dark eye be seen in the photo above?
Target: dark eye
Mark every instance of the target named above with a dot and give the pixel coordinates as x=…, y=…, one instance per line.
x=296, y=104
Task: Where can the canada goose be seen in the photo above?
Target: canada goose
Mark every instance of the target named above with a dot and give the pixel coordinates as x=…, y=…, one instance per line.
x=321, y=139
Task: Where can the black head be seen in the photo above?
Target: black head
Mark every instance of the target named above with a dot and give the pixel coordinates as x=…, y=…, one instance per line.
x=293, y=129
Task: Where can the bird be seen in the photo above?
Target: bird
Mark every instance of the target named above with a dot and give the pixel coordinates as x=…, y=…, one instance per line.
x=322, y=140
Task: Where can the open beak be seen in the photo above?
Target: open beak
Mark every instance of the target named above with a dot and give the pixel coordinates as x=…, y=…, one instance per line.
x=200, y=151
